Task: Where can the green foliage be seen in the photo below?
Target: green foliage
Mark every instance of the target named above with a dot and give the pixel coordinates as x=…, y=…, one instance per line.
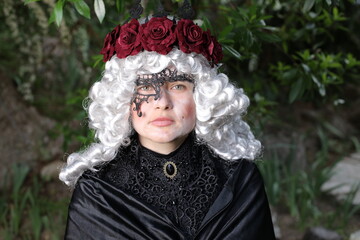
x=81, y=7
x=80, y=133
x=30, y=1
x=17, y=208
x=314, y=73
x=25, y=213
x=245, y=31
x=58, y=12
x=300, y=189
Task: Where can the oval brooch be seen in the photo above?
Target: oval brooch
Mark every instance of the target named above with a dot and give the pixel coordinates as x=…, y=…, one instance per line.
x=170, y=169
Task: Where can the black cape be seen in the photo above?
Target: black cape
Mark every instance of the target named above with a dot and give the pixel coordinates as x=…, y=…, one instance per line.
x=98, y=210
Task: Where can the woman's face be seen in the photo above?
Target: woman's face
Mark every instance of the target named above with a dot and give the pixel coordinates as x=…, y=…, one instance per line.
x=167, y=115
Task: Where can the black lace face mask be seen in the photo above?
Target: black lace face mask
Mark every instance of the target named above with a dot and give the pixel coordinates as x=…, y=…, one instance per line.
x=155, y=81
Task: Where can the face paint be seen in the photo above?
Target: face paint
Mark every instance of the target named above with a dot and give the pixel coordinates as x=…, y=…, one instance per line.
x=154, y=82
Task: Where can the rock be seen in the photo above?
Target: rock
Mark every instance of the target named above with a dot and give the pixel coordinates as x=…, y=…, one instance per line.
x=51, y=170
x=355, y=236
x=24, y=132
x=320, y=233
x=345, y=178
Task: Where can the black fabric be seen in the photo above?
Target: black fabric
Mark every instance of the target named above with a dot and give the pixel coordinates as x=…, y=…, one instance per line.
x=185, y=198
x=102, y=208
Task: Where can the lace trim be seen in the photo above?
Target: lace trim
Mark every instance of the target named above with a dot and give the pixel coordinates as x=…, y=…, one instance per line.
x=185, y=198
x=155, y=81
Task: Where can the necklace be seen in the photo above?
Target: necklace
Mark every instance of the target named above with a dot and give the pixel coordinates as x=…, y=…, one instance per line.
x=170, y=169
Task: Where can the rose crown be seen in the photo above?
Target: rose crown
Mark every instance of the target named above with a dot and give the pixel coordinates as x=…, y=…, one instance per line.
x=161, y=35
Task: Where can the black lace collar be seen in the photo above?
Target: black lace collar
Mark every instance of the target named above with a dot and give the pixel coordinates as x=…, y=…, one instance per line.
x=186, y=197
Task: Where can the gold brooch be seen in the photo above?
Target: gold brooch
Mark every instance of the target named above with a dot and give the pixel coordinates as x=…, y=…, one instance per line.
x=170, y=169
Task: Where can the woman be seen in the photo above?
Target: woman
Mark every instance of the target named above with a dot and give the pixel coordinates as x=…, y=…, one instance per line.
x=173, y=157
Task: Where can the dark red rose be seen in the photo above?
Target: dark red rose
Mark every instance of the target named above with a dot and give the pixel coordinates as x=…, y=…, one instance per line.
x=212, y=49
x=158, y=35
x=108, y=49
x=207, y=45
x=217, y=53
x=190, y=36
x=128, y=42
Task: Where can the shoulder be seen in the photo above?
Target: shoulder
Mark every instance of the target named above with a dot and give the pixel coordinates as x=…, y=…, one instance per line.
x=247, y=168
x=246, y=179
x=101, y=170
x=230, y=167
x=240, y=173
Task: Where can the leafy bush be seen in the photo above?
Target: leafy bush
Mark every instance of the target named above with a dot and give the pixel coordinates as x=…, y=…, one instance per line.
x=27, y=213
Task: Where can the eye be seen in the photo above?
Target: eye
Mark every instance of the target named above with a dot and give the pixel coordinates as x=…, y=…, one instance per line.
x=145, y=89
x=178, y=87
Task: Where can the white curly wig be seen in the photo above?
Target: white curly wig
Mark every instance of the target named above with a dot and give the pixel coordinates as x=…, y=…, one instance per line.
x=219, y=110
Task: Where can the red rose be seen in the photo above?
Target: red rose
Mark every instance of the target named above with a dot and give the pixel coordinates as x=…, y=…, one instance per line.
x=128, y=42
x=189, y=36
x=108, y=49
x=211, y=48
x=217, y=53
x=158, y=35
x=207, y=45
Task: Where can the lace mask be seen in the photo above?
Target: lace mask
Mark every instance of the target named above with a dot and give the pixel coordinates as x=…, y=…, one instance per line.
x=155, y=81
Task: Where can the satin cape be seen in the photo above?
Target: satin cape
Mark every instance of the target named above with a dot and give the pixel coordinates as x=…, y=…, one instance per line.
x=100, y=211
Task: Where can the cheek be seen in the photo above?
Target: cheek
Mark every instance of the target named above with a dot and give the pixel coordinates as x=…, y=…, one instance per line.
x=188, y=111
x=135, y=119
x=143, y=108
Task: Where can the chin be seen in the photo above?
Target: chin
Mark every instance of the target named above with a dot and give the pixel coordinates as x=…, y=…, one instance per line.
x=164, y=139
x=167, y=138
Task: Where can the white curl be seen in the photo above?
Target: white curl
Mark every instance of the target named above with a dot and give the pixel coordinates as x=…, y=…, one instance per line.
x=219, y=110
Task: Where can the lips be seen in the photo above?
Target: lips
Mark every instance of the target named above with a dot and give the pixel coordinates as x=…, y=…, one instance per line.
x=162, y=122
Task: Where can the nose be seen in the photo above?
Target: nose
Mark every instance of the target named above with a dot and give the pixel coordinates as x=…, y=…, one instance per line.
x=164, y=100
